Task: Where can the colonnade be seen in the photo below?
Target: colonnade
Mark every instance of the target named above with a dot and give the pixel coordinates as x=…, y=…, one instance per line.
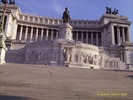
x=120, y=35
x=36, y=34
x=88, y=37
x=28, y=33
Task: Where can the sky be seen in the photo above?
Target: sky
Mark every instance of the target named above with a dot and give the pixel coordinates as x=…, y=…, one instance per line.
x=79, y=9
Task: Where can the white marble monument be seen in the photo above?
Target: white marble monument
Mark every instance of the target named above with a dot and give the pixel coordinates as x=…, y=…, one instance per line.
x=103, y=43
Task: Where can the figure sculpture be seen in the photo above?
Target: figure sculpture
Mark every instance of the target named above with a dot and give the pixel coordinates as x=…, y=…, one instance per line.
x=66, y=16
x=4, y=1
x=12, y=2
x=67, y=54
x=109, y=11
x=115, y=12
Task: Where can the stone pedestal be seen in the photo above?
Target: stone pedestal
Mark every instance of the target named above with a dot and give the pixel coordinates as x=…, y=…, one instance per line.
x=2, y=48
x=65, y=32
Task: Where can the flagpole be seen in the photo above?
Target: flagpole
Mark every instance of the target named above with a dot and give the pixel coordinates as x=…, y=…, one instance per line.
x=3, y=18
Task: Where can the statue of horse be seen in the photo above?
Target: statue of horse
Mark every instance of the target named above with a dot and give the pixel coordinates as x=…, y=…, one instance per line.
x=108, y=10
x=115, y=12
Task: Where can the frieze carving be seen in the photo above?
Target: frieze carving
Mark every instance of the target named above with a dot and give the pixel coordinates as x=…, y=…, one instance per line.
x=15, y=57
x=111, y=63
x=89, y=58
x=42, y=56
x=55, y=56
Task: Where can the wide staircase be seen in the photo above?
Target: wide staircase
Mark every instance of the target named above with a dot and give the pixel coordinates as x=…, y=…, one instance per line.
x=41, y=82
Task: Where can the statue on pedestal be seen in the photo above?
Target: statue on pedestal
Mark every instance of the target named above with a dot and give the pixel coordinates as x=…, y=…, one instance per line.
x=66, y=16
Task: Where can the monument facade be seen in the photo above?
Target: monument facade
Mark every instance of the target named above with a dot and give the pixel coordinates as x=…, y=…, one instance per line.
x=103, y=43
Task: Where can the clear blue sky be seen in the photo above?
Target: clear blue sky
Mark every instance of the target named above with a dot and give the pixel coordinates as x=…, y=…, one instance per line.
x=79, y=9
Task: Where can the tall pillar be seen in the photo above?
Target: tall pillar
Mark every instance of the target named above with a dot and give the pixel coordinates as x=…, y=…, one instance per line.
x=36, y=38
x=73, y=55
x=52, y=31
x=127, y=56
x=31, y=34
x=61, y=56
x=92, y=38
x=112, y=34
x=42, y=34
x=57, y=34
x=123, y=35
x=128, y=34
x=76, y=36
x=46, y=34
x=81, y=36
x=87, y=37
x=26, y=33
x=21, y=30
x=118, y=35
x=97, y=38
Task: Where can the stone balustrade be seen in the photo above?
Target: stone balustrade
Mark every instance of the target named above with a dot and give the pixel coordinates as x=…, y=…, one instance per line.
x=55, y=21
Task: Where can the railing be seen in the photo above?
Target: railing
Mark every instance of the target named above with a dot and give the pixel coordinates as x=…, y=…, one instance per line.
x=55, y=21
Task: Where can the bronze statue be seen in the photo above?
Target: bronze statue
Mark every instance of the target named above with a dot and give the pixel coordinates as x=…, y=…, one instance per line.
x=4, y=1
x=109, y=11
x=115, y=12
x=12, y=2
x=66, y=16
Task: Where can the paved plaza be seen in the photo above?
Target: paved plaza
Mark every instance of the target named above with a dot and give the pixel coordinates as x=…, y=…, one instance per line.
x=40, y=82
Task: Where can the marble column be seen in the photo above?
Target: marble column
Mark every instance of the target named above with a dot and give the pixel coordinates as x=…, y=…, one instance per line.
x=81, y=36
x=127, y=56
x=87, y=37
x=97, y=38
x=42, y=34
x=118, y=36
x=128, y=34
x=92, y=38
x=121, y=56
x=73, y=55
x=62, y=56
x=21, y=30
x=57, y=34
x=36, y=38
x=46, y=34
x=123, y=35
x=76, y=36
x=31, y=34
x=112, y=35
x=52, y=31
x=26, y=33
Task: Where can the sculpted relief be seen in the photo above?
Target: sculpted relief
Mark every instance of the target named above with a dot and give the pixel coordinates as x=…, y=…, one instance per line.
x=42, y=56
x=109, y=63
x=65, y=34
x=87, y=58
x=67, y=54
x=68, y=34
x=15, y=57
